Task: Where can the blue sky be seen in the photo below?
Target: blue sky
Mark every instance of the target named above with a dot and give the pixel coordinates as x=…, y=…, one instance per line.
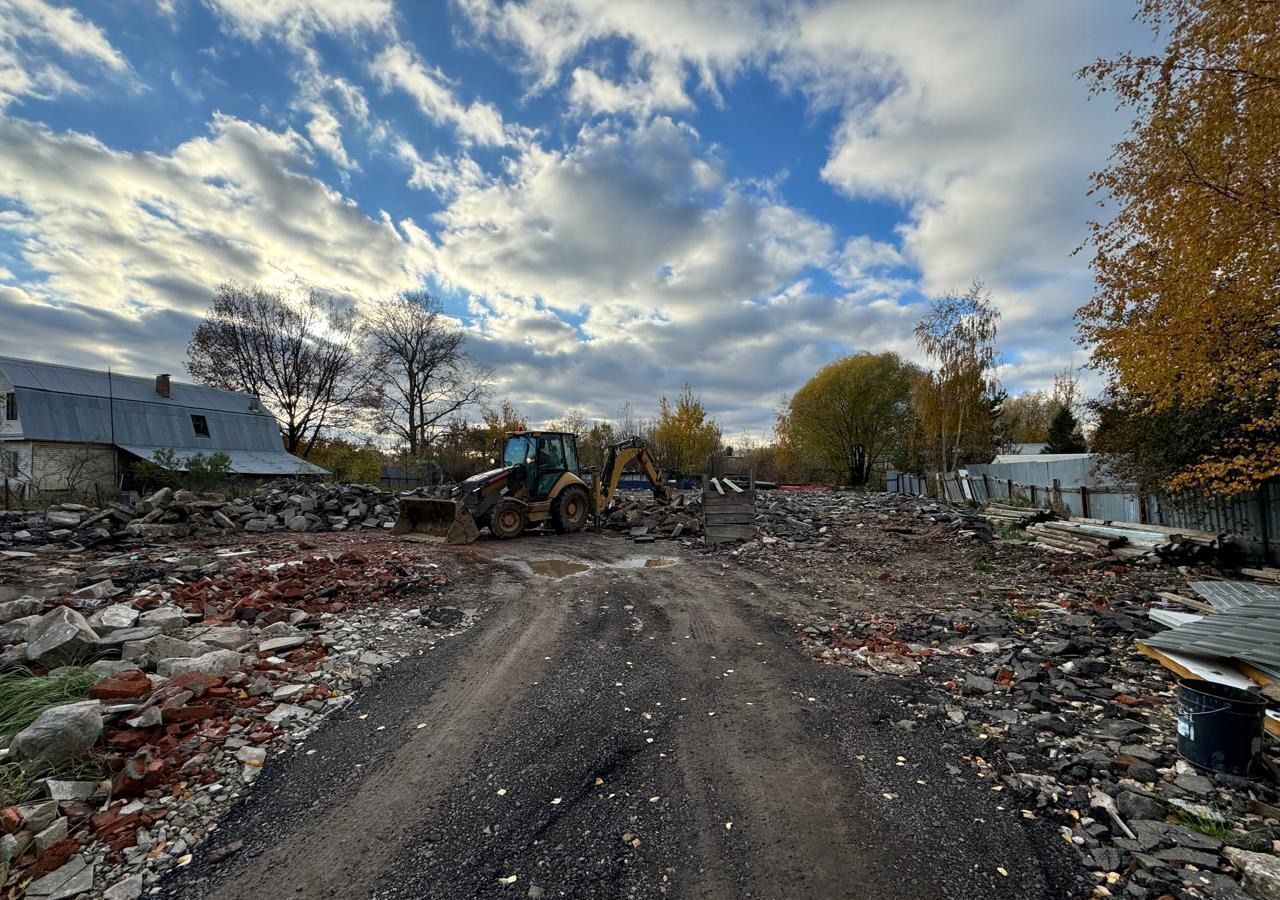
x=614, y=198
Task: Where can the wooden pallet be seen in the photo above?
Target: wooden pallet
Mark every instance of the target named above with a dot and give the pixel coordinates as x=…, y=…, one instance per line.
x=728, y=517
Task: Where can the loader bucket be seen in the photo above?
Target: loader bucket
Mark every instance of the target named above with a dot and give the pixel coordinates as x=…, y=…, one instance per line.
x=436, y=520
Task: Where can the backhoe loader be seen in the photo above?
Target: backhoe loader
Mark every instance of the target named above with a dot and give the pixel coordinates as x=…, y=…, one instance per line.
x=537, y=482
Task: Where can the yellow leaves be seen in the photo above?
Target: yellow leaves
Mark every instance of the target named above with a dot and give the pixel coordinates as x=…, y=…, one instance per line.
x=1188, y=280
x=852, y=413
x=684, y=436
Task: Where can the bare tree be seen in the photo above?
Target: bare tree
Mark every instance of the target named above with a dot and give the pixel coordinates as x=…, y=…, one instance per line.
x=423, y=373
x=300, y=356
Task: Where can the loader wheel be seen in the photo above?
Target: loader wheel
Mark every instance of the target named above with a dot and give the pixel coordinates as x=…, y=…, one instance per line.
x=570, y=509
x=507, y=519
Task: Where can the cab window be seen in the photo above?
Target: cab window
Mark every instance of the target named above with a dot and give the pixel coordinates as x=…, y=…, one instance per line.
x=518, y=452
x=571, y=456
x=550, y=453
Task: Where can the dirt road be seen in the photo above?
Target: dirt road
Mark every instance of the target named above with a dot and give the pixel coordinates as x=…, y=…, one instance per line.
x=643, y=728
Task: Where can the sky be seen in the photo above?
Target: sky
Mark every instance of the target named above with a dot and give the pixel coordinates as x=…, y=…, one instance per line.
x=613, y=197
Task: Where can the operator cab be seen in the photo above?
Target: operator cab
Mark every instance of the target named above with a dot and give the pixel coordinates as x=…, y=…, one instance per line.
x=545, y=455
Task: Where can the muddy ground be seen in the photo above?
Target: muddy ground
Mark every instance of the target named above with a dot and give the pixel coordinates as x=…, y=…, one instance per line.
x=646, y=726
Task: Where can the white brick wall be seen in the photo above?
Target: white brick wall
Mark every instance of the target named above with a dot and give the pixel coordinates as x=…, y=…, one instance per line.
x=63, y=467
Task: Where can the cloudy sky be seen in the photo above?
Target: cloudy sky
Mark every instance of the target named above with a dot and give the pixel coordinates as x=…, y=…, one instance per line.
x=614, y=197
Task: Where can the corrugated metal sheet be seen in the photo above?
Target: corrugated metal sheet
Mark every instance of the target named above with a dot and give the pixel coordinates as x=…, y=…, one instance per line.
x=25, y=373
x=1231, y=594
x=59, y=403
x=1250, y=633
x=243, y=462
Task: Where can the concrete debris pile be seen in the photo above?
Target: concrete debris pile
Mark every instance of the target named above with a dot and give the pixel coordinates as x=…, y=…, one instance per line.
x=1032, y=673
x=816, y=519
x=202, y=666
x=168, y=514
x=645, y=519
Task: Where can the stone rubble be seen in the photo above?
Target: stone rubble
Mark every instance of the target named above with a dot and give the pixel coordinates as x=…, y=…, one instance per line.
x=1032, y=669
x=210, y=663
x=168, y=514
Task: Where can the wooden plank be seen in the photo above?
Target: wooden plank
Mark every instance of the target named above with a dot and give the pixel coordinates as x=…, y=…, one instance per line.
x=728, y=519
x=736, y=510
x=745, y=497
x=723, y=534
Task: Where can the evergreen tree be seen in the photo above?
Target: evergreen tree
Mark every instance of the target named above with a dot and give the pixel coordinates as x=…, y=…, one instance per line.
x=1064, y=434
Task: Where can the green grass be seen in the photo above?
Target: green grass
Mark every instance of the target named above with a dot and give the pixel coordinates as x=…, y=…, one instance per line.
x=24, y=782
x=24, y=696
x=980, y=563
x=1258, y=841
x=1013, y=533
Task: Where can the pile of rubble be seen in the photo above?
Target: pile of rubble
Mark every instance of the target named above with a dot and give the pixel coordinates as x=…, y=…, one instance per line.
x=169, y=514
x=1027, y=663
x=202, y=666
x=798, y=518
x=1063, y=714
x=645, y=519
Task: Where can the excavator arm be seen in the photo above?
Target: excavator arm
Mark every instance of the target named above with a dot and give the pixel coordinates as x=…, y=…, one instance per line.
x=621, y=455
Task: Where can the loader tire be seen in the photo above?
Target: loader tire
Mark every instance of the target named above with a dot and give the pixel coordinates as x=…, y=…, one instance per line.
x=507, y=519
x=570, y=510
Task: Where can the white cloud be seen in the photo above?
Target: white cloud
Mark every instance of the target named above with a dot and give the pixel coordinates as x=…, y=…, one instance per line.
x=447, y=177
x=398, y=66
x=714, y=38
x=255, y=19
x=968, y=115
x=590, y=93
x=136, y=233
x=325, y=132
x=30, y=30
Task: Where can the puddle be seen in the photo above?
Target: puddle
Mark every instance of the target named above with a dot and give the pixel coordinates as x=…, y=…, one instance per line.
x=556, y=568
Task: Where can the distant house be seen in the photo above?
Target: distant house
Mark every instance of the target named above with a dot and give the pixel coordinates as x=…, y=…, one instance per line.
x=67, y=428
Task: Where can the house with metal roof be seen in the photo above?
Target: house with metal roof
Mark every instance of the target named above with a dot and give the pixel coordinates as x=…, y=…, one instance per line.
x=68, y=428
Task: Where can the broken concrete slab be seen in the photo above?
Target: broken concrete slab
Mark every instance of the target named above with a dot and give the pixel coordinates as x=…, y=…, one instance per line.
x=61, y=637
x=216, y=662
x=59, y=733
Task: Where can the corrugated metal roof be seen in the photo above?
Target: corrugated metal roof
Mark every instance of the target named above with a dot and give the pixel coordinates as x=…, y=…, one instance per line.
x=1250, y=633
x=26, y=373
x=1231, y=594
x=61, y=403
x=243, y=462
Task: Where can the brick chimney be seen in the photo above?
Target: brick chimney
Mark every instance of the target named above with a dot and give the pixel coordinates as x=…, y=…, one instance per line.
x=162, y=385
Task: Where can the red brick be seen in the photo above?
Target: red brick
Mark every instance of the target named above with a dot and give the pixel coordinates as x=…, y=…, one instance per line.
x=124, y=685
x=192, y=712
x=10, y=820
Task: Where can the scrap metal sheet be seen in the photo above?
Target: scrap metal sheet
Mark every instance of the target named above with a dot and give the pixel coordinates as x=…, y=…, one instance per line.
x=1232, y=594
x=1250, y=633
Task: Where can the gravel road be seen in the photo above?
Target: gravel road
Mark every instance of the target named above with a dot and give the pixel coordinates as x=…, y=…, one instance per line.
x=629, y=730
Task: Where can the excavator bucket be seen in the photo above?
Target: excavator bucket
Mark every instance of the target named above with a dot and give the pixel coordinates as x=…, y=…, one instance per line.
x=445, y=521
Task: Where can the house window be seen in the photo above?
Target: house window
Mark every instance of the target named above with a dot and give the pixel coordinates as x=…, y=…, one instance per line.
x=201, y=425
x=11, y=407
x=8, y=463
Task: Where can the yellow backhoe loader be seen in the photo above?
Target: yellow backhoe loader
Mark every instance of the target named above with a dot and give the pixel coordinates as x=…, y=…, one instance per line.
x=538, y=482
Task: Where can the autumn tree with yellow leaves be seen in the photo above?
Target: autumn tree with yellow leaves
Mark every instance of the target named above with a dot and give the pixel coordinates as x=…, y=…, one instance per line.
x=1185, y=321
x=853, y=414
x=684, y=436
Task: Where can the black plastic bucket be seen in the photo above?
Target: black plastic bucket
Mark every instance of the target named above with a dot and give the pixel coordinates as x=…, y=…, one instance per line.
x=1219, y=726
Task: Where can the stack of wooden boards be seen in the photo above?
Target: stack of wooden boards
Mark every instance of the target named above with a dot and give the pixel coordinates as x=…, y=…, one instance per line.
x=728, y=512
x=1015, y=516
x=1123, y=540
